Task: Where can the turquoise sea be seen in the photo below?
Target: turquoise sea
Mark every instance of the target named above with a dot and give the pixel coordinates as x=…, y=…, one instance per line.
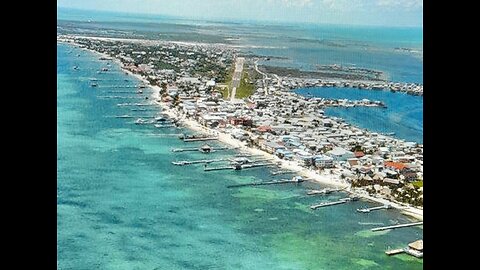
x=403, y=115
x=122, y=205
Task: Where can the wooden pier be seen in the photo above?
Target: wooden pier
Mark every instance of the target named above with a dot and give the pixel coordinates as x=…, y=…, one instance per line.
x=118, y=86
x=295, y=180
x=134, y=104
x=199, y=149
x=238, y=167
x=281, y=172
x=313, y=207
x=189, y=162
x=397, y=226
x=368, y=210
x=324, y=191
x=201, y=139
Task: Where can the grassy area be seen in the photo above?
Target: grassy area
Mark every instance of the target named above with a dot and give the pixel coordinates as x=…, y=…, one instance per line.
x=417, y=184
x=228, y=82
x=246, y=88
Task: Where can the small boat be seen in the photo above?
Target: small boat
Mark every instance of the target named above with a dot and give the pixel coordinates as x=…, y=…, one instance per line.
x=104, y=69
x=75, y=67
x=93, y=85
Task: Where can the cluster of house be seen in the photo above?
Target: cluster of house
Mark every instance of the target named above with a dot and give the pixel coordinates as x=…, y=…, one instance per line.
x=279, y=121
x=294, y=83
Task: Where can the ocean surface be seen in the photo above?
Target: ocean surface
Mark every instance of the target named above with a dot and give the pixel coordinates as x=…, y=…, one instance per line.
x=403, y=115
x=121, y=204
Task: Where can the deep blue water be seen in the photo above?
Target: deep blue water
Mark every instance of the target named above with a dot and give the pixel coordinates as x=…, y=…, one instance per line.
x=121, y=204
x=403, y=115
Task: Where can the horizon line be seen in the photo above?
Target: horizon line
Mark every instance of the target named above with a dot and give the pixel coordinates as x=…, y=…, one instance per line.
x=237, y=20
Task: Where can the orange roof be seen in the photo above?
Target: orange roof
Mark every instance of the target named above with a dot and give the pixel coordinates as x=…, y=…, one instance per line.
x=396, y=165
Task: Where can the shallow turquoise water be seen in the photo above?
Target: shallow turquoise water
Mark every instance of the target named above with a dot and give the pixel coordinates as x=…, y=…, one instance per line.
x=403, y=115
x=122, y=205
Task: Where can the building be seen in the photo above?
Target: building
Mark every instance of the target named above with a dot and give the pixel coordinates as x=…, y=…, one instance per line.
x=340, y=154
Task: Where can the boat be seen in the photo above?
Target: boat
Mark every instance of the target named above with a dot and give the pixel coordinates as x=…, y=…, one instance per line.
x=104, y=69
x=93, y=85
x=75, y=67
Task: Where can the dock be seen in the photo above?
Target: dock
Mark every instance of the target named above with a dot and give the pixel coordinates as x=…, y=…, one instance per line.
x=201, y=139
x=134, y=104
x=414, y=249
x=394, y=251
x=238, y=167
x=341, y=201
x=189, y=162
x=294, y=180
x=324, y=191
x=368, y=210
x=281, y=172
x=397, y=226
x=199, y=149
x=119, y=86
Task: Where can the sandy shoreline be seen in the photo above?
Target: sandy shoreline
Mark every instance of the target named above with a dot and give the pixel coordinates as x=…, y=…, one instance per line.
x=326, y=179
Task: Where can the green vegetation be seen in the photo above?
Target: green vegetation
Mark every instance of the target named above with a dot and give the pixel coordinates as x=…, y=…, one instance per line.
x=246, y=88
x=418, y=184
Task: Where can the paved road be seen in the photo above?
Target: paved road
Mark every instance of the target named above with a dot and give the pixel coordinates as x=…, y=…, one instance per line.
x=264, y=77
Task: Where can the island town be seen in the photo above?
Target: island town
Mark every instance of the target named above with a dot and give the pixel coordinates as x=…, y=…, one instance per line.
x=226, y=94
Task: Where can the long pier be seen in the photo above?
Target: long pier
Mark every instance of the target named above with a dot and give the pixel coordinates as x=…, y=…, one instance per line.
x=118, y=86
x=198, y=149
x=238, y=167
x=324, y=191
x=313, y=207
x=397, y=226
x=135, y=104
x=188, y=162
x=368, y=210
x=119, y=97
x=201, y=139
x=281, y=172
x=278, y=182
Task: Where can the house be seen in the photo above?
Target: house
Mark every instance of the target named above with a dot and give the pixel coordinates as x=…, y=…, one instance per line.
x=264, y=129
x=240, y=121
x=395, y=165
x=391, y=181
x=284, y=153
x=270, y=147
x=340, y=154
x=323, y=161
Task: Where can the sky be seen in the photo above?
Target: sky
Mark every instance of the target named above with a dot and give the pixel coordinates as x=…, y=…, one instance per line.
x=351, y=12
